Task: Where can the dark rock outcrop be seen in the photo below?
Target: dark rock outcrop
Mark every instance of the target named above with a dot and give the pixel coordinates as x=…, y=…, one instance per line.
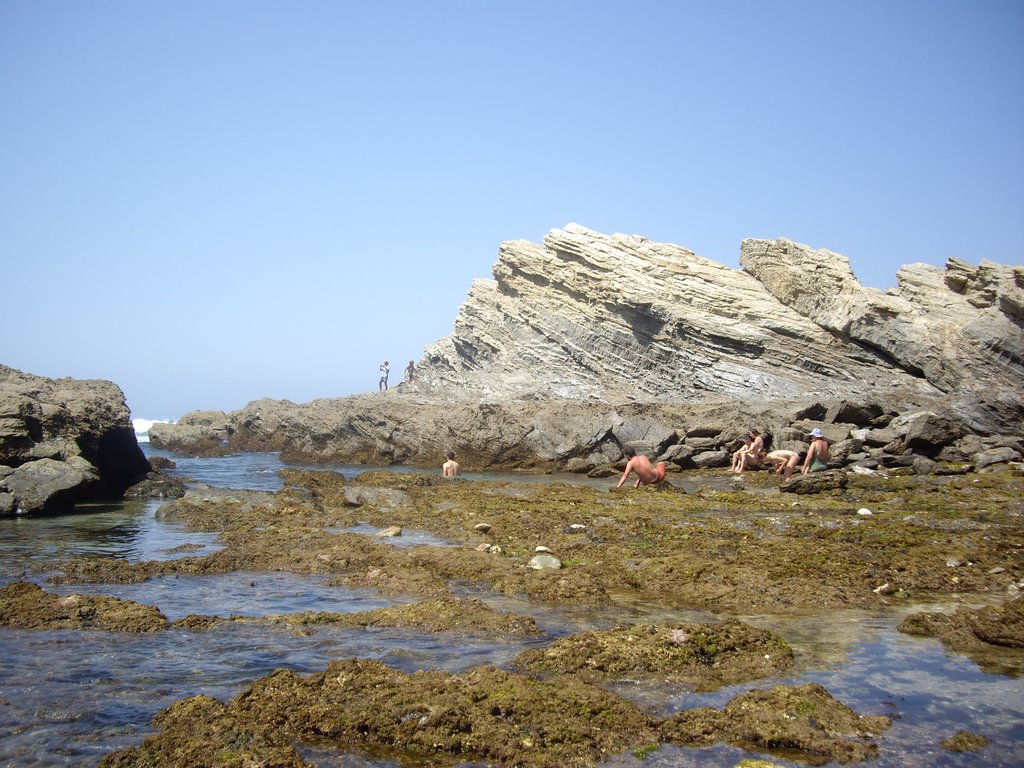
x=63, y=441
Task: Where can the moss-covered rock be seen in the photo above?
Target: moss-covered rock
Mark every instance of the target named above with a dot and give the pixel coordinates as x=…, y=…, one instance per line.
x=705, y=655
x=802, y=722
x=27, y=606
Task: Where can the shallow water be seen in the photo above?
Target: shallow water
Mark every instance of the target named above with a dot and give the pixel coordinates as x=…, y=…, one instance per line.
x=67, y=698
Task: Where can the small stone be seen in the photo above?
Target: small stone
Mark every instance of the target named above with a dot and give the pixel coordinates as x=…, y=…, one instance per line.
x=496, y=550
x=997, y=569
x=545, y=561
x=485, y=547
x=541, y=549
x=482, y=527
x=394, y=530
x=954, y=563
x=864, y=511
x=885, y=589
x=678, y=637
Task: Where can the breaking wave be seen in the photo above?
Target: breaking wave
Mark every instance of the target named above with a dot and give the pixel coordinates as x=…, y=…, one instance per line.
x=142, y=427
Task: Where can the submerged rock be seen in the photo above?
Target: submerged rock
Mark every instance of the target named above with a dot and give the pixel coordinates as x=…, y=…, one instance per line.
x=968, y=630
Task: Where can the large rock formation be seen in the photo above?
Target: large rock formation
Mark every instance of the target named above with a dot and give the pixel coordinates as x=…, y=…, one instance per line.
x=63, y=441
x=589, y=341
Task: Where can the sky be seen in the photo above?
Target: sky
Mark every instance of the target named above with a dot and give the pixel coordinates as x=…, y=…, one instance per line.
x=213, y=202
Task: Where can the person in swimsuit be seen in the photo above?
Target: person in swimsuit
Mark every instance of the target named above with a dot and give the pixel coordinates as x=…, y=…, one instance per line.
x=817, y=453
x=410, y=372
x=784, y=462
x=646, y=473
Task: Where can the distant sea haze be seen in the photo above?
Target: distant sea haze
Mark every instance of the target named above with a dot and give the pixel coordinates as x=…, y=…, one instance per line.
x=142, y=427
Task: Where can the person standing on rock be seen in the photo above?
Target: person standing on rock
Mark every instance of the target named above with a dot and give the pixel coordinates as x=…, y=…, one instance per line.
x=646, y=473
x=451, y=467
x=784, y=462
x=382, y=385
x=410, y=372
x=817, y=453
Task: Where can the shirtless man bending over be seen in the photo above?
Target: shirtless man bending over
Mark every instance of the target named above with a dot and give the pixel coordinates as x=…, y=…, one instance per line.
x=784, y=462
x=646, y=473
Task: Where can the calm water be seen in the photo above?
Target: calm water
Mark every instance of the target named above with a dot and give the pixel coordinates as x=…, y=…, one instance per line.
x=68, y=698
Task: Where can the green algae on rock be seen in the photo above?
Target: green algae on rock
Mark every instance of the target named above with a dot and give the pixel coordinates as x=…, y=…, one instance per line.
x=467, y=616
x=705, y=655
x=992, y=636
x=800, y=722
x=483, y=713
x=27, y=606
x=965, y=741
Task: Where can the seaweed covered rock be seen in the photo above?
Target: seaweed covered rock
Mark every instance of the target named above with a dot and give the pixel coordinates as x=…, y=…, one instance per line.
x=466, y=616
x=803, y=721
x=968, y=630
x=706, y=655
x=483, y=713
x=204, y=731
x=27, y=606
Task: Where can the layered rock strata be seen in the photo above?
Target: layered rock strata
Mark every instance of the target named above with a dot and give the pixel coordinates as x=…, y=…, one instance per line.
x=63, y=441
x=588, y=342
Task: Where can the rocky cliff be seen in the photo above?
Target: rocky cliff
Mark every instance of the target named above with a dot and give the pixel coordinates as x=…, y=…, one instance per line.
x=616, y=318
x=588, y=341
x=63, y=441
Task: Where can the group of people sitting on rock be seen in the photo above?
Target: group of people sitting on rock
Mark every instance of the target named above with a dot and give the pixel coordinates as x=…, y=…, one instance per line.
x=750, y=456
x=753, y=454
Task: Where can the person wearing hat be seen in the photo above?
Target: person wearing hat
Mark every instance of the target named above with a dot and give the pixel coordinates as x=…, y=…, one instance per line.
x=817, y=453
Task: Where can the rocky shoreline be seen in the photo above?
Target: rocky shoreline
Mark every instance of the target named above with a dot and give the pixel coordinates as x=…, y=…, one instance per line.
x=578, y=348
x=747, y=549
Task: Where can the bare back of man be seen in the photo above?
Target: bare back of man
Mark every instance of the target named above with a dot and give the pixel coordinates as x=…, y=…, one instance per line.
x=646, y=473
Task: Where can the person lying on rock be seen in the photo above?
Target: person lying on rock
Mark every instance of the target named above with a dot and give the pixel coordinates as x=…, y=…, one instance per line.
x=646, y=473
x=784, y=462
x=817, y=453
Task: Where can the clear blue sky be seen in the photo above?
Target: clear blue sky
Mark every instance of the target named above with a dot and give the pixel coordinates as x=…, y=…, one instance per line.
x=213, y=202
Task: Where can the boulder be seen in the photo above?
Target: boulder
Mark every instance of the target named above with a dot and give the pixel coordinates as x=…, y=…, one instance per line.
x=861, y=413
x=816, y=482
x=51, y=486
x=992, y=456
x=64, y=441
x=711, y=459
x=928, y=433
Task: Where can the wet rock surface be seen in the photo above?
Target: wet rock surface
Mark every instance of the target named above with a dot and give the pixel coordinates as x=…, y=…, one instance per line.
x=27, y=606
x=748, y=549
x=63, y=441
x=467, y=616
x=803, y=721
x=974, y=632
x=706, y=656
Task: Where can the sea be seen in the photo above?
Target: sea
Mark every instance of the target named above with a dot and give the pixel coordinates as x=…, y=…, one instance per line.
x=69, y=697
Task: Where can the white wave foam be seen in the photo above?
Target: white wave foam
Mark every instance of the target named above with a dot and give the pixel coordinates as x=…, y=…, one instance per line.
x=142, y=427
